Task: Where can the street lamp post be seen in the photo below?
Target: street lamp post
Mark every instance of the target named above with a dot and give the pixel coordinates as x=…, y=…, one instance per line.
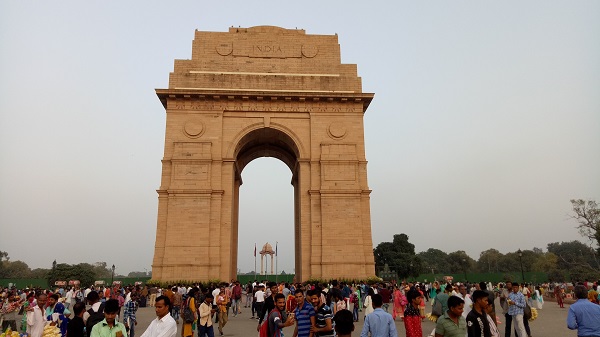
x=112, y=275
x=521, y=261
x=465, y=268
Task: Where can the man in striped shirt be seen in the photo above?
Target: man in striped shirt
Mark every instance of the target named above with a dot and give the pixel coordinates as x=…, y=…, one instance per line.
x=129, y=318
x=305, y=315
x=323, y=326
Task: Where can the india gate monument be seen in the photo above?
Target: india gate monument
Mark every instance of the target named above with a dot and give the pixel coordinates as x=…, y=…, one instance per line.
x=263, y=92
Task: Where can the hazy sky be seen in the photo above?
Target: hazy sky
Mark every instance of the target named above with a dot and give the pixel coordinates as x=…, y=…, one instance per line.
x=485, y=122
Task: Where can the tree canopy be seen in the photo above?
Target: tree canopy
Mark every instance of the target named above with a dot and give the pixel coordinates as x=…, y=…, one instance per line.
x=399, y=255
x=563, y=261
x=84, y=272
x=587, y=215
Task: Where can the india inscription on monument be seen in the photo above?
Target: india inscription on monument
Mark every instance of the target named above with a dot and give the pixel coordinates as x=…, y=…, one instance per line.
x=263, y=92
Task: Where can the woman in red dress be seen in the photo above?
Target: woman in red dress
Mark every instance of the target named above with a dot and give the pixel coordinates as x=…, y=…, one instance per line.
x=412, y=316
x=559, y=296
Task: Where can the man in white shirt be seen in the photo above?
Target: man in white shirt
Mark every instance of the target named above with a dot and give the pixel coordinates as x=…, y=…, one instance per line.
x=36, y=317
x=182, y=290
x=163, y=325
x=260, y=300
x=467, y=298
x=69, y=298
x=127, y=295
x=87, y=292
x=215, y=294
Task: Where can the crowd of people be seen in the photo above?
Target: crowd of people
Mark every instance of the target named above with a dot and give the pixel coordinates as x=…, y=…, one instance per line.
x=41, y=308
x=469, y=310
x=314, y=310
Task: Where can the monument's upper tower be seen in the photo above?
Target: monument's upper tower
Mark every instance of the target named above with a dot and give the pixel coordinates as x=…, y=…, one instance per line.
x=265, y=58
x=256, y=92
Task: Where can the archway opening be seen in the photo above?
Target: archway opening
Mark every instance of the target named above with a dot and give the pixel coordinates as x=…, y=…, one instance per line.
x=270, y=213
x=266, y=214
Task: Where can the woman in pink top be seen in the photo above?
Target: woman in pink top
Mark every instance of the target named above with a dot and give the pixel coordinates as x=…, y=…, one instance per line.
x=399, y=303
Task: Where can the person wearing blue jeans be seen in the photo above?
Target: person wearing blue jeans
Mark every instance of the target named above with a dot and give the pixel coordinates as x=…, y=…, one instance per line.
x=205, y=324
x=355, y=306
x=504, y=304
x=129, y=317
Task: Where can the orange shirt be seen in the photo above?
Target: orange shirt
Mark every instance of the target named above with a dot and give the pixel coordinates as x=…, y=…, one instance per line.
x=222, y=301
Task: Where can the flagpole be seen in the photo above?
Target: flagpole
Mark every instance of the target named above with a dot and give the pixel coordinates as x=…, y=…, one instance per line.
x=276, y=273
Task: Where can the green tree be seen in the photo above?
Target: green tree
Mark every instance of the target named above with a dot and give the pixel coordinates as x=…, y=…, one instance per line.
x=548, y=263
x=3, y=261
x=13, y=269
x=573, y=253
x=102, y=270
x=459, y=262
x=18, y=269
x=399, y=255
x=137, y=274
x=83, y=272
x=509, y=262
x=545, y=263
x=581, y=273
x=529, y=258
x=538, y=250
x=488, y=261
x=434, y=261
x=556, y=276
x=39, y=273
x=587, y=215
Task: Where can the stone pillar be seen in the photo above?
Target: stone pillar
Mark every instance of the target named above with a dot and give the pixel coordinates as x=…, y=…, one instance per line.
x=262, y=271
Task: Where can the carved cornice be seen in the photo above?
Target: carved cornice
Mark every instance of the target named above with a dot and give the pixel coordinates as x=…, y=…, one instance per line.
x=233, y=100
x=338, y=193
x=189, y=192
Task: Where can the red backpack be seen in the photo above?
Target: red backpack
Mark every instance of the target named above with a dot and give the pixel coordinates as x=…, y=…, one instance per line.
x=264, y=328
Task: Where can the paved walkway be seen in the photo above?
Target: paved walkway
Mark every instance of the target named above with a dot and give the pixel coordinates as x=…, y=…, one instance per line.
x=551, y=322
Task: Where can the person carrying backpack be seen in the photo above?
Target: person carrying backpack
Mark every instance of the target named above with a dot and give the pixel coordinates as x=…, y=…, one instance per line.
x=95, y=314
x=189, y=309
x=277, y=320
x=109, y=326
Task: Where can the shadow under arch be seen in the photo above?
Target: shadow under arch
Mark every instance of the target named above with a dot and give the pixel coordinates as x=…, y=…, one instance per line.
x=258, y=143
x=250, y=132
x=266, y=142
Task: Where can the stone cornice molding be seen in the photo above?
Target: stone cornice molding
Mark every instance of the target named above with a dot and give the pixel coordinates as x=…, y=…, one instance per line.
x=263, y=96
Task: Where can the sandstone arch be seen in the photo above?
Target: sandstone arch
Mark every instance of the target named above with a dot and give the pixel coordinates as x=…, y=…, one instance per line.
x=256, y=92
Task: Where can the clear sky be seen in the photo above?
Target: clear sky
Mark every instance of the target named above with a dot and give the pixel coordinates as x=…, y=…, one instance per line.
x=485, y=122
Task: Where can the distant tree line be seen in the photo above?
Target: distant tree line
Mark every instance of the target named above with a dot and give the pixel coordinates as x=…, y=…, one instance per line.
x=86, y=273
x=563, y=261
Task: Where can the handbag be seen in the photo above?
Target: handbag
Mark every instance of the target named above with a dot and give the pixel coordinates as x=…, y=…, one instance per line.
x=188, y=315
x=527, y=311
x=436, y=310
